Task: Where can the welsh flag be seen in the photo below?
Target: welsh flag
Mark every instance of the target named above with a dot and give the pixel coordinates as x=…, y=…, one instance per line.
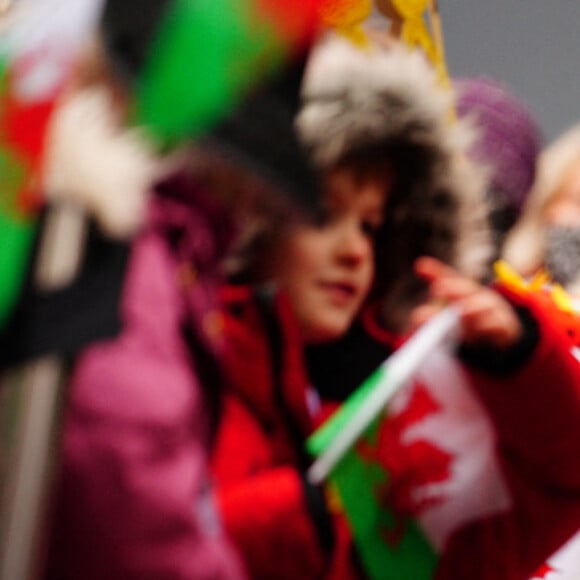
x=398, y=472
x=39, y=45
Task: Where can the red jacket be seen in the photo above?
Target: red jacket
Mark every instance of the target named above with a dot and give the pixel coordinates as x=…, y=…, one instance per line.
x=533, y=403
x=278, y=522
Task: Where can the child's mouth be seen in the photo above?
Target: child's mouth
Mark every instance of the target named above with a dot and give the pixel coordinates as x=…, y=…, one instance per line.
x=340, y=292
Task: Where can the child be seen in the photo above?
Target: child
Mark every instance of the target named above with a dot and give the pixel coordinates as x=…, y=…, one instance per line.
x=325, y=271
x=546, y=235
x=131, y=494
x=546, y=241
x=520, y=499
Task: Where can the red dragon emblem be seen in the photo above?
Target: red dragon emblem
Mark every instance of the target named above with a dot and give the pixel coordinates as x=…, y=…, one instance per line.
x=411, y=468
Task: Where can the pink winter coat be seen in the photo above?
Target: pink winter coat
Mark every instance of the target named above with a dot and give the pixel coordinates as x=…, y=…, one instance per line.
x=133, y=498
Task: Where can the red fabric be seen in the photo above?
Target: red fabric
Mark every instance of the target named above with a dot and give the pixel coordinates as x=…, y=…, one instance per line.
x=249, y=371
x=267, y=518
x=23, y=128
x=536, y=413
x=255, y=462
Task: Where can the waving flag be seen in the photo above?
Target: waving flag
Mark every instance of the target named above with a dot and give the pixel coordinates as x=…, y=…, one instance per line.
x=389, y=477
x=38, y=49
x=207, y=52
x=203, y=56
x=398, y=482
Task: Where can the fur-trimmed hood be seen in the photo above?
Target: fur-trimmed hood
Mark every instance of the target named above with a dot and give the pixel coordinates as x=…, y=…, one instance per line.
x=353, y=97
x=356, y=99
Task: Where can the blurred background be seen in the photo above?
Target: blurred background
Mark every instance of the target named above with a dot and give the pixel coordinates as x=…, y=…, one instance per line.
x=533, y=46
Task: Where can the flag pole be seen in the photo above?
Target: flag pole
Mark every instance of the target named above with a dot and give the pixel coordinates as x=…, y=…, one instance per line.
x=32, y=395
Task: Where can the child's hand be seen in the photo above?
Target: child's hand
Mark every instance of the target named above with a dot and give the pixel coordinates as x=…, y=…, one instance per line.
x=486, y=316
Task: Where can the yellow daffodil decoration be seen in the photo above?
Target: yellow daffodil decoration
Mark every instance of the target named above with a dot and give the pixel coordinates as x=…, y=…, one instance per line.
x=408, y=23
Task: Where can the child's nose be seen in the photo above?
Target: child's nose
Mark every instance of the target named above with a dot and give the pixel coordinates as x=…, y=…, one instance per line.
x=354, y=246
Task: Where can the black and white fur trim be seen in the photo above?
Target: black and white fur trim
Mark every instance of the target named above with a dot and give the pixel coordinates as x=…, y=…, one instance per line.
x=355, y=96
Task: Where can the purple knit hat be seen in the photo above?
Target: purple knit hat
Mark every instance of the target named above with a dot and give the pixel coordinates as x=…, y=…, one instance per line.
x=509, y=139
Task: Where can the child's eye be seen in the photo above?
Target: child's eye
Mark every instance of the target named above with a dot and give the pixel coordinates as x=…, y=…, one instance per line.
x=319, y=218
x=323, y=217
x=370, y=228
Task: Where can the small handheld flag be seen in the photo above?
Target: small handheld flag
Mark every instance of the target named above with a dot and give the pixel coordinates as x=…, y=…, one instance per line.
x=334, y=438
x=352, y=478
x=408, y=481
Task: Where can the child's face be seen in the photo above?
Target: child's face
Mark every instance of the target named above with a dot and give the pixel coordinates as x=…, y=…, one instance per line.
x=328, y=268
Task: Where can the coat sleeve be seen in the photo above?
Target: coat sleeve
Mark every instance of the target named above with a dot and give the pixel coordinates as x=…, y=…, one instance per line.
x=536, y=412
x=279, y=523
x=263, y=507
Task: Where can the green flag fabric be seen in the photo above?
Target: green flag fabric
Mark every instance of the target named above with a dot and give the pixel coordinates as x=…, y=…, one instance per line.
x=205, y=55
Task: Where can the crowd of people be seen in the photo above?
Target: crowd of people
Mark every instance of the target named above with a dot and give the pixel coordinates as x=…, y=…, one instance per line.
x=273, y=265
